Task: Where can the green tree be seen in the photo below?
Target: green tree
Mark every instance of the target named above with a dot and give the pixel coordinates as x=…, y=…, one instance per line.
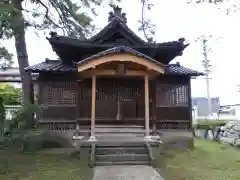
x=6, y=60
x=5, y=32
x=10, y=94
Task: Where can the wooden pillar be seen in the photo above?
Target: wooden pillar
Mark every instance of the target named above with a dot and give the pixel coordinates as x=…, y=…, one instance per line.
x=77, y=104
x=190, y=102
x=146, y=94
x=93, y=112
x=153, y=106
x=190, y=110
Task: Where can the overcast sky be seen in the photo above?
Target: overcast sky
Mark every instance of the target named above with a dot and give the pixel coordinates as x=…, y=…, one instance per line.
x=175, y=19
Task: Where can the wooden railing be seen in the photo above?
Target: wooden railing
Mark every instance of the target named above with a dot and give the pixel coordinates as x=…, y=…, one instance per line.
x=174, y=124
x=58, y=126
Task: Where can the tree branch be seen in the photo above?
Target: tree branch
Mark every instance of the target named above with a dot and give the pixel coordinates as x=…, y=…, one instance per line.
x=145, y=24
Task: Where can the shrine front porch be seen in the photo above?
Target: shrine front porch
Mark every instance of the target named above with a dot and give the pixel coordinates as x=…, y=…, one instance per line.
x=119, y=103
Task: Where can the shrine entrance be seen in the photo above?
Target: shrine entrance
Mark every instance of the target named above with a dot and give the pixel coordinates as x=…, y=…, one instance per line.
x=120, y=101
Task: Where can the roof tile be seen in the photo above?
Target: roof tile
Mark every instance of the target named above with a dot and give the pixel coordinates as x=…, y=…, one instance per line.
x=50, y=65
x=177, y=69
x=57, y=66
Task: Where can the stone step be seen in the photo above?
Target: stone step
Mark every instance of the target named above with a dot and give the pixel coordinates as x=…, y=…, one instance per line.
x=119, y=130
x=118, y=150
x=119, y=126
x=122, y=157
x=119, y=144
x=108, y=163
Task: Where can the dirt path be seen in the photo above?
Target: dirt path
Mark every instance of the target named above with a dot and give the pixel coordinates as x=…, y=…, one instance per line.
x=126, y=173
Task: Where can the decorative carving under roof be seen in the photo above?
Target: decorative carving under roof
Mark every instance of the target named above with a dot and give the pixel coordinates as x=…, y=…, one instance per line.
x=117, y=14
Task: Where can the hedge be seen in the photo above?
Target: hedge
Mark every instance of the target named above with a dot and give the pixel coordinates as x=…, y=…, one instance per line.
x=32, y=142
x=209, y=124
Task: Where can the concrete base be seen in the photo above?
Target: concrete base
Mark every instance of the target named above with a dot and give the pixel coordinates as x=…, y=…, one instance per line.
x=92, y=139
x=156, y=139
x=148, y=138
x=78, y=137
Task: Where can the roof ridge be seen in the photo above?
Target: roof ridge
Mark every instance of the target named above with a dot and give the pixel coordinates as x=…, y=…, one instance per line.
x=52, y=61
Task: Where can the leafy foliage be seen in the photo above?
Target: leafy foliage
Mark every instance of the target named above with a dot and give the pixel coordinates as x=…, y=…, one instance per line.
x=5, y=21
x=20, y=119
x=5, y=58
x=72, y=18
x=10, y=94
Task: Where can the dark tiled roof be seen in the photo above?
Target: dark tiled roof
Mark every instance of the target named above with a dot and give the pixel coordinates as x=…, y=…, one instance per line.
x=50, y=65
x=120, y=49
x=121, y=27
x=57, y=66
x=177, y=69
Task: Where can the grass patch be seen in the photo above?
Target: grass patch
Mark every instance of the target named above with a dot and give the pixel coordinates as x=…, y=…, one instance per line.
x=208, y=161
x=40, y=167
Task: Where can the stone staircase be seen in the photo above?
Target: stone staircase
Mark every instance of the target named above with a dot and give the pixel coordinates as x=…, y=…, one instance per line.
x=122, y=154
x=120, y=145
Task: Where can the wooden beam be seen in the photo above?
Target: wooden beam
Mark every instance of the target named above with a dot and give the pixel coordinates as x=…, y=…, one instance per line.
x=102, y=72
x=122, y=57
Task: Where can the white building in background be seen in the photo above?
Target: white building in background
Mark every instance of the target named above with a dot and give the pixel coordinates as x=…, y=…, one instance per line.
x=229, y=112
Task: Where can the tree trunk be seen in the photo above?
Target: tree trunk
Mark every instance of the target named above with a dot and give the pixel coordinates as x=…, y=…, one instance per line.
x=18, y=28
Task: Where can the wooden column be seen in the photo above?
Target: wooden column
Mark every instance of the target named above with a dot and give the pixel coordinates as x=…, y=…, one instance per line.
x=146, y=94
x=93, y=112
x=77, y=104
x=190, y=110
x=153, y=106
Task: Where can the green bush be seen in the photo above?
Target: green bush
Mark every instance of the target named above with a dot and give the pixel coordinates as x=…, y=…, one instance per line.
x=209, y=124
x=32, y=141
x=43, y=140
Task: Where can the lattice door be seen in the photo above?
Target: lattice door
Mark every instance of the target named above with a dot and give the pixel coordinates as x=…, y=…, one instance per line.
x=119, y=99
x=131, y=96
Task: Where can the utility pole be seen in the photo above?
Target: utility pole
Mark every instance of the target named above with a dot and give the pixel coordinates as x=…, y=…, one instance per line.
x=207, y=69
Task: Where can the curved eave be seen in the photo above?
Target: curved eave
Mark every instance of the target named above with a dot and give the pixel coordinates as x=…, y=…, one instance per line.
x=121, y=54
x=164, y=52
